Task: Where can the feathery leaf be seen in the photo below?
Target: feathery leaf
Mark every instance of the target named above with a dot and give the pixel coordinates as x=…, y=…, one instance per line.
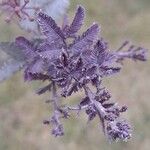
x=49, y=28
x=77, y=21
x=26, y=45
x=86, y=40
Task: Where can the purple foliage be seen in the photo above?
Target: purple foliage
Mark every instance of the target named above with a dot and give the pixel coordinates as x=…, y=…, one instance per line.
x=70, y=68
x=76, y=23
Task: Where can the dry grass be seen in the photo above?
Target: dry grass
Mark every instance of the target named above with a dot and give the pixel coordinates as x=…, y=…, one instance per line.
x=22, y=112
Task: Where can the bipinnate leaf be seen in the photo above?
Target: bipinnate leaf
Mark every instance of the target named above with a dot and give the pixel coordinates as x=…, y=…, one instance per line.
x=77, y=21
x=26, y=46
x=86, y=40
x=49, y=28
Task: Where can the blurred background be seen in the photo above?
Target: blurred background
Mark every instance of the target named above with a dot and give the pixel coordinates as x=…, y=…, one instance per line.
x=22, y=111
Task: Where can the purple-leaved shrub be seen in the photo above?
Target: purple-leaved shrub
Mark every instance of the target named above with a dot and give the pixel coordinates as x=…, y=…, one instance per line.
x=70, y=67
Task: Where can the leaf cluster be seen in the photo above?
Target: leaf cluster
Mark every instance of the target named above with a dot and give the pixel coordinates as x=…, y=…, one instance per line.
x=71, y=62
